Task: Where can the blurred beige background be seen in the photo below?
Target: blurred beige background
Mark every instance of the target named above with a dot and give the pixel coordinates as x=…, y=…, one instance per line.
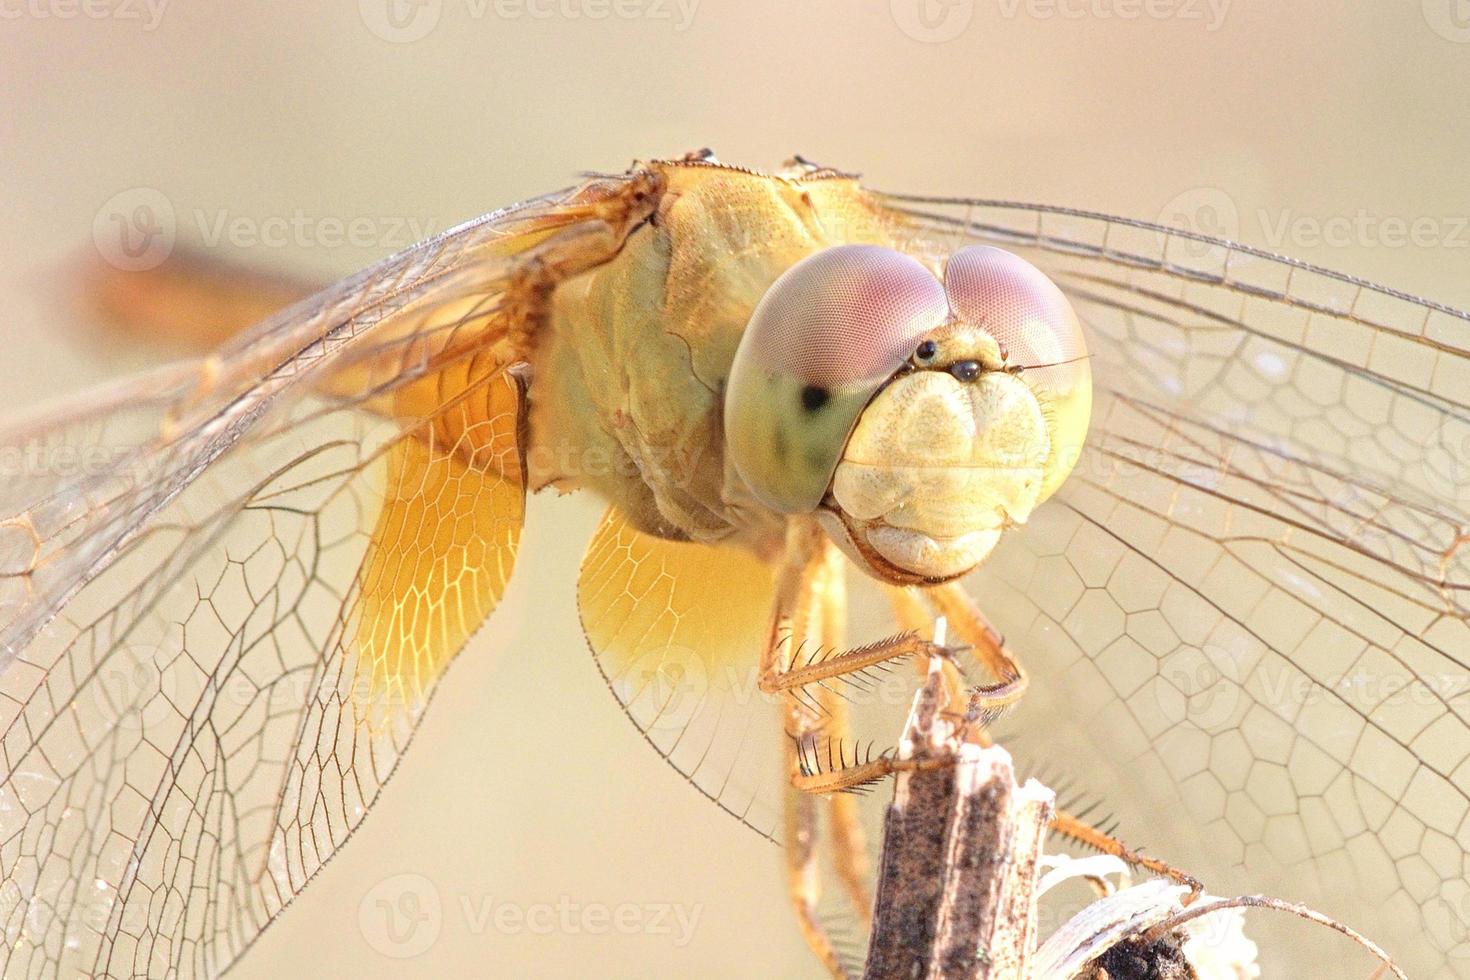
x=1332, y=131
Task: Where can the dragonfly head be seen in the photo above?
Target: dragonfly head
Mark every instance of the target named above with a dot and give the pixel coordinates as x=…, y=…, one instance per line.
x=917, y=418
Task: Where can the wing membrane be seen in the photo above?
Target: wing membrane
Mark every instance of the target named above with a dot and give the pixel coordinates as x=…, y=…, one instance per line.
x=176, y=421
x=1249, y=604
x=677, y=630
x=222, y=638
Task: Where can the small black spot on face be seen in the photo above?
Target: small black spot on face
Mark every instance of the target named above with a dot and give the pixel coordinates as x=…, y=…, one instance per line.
x=813, y=397
x=927, y=350
x=965, y=371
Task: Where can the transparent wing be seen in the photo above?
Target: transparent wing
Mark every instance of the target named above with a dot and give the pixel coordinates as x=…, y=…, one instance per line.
x=1246, y=612
x=677, y=630
x=221, y=632
x=91, y=470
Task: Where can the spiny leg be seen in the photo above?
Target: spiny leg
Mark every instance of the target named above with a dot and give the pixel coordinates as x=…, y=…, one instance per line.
x=849, y=845
x=914, y=616
x=988, y=701
x=796, y=622
x=803, y=874
x=965, y=618
x=809, y=617
x=810, y=608
x=1078, y=829
x=793, y=630
x=965, y=621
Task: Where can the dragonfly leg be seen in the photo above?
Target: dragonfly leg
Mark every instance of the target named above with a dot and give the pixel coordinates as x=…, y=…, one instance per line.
x=849, y=844
x=805, y=651
x=1078, y=829
x=803, y=873
x=795, y=666
x=808, y=599
x=793, y=679
x=850, y=852
x=966, y=621
x=969, y=625
x=914, y=616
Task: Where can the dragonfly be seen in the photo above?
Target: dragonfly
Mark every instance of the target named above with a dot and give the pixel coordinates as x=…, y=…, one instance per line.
x=1194, y=515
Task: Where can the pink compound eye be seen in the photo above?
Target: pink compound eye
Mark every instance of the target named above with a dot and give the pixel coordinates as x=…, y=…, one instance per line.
x=845, y=315
x=1014, y=302
x=828, y=333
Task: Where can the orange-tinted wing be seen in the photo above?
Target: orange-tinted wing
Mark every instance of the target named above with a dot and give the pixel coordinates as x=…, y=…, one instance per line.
x=220, y=627
x=1245, y=615
x=677, y=630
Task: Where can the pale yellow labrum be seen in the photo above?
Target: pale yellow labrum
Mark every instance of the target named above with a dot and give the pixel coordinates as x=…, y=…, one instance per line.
x=936, y=469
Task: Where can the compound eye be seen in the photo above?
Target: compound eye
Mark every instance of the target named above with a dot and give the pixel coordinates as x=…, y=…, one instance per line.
x=823, y=339
x=1032, y=320
x=1015, y=302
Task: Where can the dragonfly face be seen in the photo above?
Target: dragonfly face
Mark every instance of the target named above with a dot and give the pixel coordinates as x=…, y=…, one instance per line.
x=943, y=443
x=1225, y=536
